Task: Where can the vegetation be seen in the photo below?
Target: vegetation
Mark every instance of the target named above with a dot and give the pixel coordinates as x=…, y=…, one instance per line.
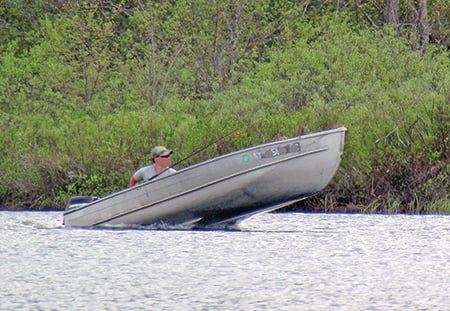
x=87, y=88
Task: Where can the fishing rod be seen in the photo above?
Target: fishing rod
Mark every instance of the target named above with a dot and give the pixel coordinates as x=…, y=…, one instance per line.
x=235, y=133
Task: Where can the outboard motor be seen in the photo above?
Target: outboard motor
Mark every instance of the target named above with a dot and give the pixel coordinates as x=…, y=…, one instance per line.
x=78, y=201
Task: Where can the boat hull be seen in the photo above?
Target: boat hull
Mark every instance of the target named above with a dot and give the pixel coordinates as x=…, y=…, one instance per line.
x=223, y=190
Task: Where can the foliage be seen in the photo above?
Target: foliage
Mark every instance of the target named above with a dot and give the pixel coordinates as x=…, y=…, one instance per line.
x=87, y=90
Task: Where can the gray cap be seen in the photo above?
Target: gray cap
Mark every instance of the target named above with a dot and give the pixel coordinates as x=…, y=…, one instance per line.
x=160, y=151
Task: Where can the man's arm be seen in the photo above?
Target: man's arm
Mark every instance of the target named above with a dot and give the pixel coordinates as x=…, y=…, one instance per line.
x=133, y=181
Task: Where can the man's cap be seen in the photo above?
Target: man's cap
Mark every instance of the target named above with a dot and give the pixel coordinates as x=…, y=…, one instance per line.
x=160, y=151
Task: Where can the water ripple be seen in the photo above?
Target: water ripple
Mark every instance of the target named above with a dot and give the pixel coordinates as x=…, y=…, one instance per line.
x=287, y=261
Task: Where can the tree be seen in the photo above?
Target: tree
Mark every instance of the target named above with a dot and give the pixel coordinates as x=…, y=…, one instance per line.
x=390, y=12
x=423, y=32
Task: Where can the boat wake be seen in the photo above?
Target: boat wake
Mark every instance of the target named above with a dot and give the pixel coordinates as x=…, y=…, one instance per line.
x=35, y=224
x=161, y=226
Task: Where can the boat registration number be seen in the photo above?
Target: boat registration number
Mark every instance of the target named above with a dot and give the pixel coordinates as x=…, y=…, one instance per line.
x=273, y=152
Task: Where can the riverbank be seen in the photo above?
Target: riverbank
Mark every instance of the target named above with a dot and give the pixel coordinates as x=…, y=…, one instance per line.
x=406, y=187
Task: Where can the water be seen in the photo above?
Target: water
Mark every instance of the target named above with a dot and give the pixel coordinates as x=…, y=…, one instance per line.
x=289, y=261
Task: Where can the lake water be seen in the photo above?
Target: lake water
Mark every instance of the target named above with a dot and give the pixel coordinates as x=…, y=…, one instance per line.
x=289, y=261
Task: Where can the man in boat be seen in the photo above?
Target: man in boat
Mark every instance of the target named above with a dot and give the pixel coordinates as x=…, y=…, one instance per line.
x=161, y=166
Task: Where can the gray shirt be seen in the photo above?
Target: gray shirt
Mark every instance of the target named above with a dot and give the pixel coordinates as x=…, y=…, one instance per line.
x=145, y=173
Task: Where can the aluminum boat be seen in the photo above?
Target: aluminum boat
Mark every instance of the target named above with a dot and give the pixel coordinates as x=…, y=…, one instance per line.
x=221, y=191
